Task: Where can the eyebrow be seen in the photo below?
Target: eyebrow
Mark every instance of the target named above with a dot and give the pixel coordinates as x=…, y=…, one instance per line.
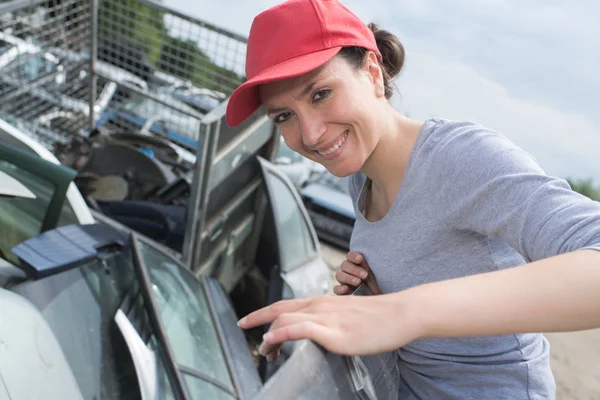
x=307, y=89
x=303, y=93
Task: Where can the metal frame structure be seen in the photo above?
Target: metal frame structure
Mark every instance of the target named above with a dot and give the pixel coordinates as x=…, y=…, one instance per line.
x=60, y=61
x=73, y=68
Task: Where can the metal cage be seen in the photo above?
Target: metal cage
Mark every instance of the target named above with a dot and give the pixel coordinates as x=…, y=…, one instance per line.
x=72, y=67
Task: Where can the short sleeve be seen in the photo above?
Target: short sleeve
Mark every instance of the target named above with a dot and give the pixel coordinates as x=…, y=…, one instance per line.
x=491, y=186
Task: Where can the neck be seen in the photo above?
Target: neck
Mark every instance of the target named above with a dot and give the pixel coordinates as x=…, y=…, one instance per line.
x=387, y=164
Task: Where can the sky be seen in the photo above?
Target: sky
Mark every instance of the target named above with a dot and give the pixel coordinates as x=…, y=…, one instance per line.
x=525, y=69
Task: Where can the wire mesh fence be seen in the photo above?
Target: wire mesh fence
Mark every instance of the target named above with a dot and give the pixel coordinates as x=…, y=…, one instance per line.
x=69, y=67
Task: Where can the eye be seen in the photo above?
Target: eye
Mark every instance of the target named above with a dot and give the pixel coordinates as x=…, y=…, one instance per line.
x=281, y=118
x=320, y=95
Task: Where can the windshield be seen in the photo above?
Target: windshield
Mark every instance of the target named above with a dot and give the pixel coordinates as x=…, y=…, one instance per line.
x=81, y=306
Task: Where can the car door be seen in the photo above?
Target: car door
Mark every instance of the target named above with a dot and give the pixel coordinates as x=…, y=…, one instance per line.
x=302, y=267
x=313, y=373
x=23, y=218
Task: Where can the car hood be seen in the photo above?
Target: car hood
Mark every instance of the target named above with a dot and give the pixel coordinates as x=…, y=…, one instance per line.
x=330, y=198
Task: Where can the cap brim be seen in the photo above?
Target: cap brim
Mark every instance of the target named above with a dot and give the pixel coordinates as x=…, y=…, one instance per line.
x=244, y=100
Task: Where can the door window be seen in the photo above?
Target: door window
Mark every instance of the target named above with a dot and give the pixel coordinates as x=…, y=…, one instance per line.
x=188, y=323
x=22, y=218
x=297, y=242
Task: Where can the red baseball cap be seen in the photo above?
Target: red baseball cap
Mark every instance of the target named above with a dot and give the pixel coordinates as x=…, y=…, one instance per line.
x=291, y=39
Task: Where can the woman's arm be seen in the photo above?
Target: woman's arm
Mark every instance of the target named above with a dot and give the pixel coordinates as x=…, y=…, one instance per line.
x=561, y=293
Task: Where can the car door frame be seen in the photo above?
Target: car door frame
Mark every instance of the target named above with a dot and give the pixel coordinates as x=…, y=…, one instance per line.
x=269, y=168
x=57, y=175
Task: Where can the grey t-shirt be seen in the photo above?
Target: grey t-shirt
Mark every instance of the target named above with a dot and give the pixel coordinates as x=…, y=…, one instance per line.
x=471, y=202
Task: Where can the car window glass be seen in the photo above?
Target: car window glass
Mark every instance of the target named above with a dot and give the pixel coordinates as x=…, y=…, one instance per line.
x=67, y=215
x=22, y=218
x=201, y=389
x=297, y=245
x=80, y=305
x=186, y=316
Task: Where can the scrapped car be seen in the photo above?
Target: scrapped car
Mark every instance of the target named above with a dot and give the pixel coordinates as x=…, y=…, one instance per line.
x=330, y=208
x=75, y=209
x=180, y=123
x=300, y=170
x=99, y=311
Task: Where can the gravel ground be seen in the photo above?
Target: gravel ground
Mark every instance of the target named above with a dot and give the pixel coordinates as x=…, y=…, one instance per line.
x=575, y=356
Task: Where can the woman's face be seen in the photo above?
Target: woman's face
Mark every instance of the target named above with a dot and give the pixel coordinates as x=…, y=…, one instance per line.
x=332, y=115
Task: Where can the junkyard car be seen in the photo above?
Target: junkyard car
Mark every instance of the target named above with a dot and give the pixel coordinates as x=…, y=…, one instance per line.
x=330, y=208
x=300, y=170
x=95, y=310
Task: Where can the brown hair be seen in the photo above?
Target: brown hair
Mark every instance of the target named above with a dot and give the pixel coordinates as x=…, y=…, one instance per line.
x=392, y=56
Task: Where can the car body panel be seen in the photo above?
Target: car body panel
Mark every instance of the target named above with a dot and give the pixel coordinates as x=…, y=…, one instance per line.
x=310, y=276
x=331, y=209
x=33, y=365
x=330, y=198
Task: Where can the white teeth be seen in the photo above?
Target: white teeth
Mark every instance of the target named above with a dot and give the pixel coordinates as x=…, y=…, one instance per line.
x=336, y=146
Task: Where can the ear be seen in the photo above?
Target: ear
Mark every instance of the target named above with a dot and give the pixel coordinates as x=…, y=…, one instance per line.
x=375, y=73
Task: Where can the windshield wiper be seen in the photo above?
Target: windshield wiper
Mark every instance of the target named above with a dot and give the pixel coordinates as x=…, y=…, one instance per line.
x=155, y=321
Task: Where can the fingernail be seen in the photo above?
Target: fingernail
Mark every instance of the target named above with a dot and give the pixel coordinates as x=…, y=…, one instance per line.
x=358, y=258
x=356, y=281
x=267, y=337
x=364, y=275
x=242, y=322
x=261, y=349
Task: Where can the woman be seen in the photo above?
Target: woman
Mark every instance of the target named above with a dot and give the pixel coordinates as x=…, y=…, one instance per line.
x=444, y=210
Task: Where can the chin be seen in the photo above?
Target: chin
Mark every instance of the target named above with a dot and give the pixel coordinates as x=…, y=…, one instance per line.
x=342, y=170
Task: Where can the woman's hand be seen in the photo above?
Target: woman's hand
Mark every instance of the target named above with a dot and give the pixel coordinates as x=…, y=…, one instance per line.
x=349, y=325
x=353, y=272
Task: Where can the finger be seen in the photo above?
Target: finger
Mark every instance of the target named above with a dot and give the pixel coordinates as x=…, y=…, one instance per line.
x=354, y=257
x=346, y=279
x=341, y=290
x=299, y=331
x=372, y=285
x=283, y=320
x=268, y=314
x=353, y=269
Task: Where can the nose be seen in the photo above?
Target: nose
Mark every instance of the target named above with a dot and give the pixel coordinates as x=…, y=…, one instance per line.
x=312, y=128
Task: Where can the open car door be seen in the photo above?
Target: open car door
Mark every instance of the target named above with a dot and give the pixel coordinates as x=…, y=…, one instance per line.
x=227, y=204
x=25, y=217
x=313, y=373
x=236, y=192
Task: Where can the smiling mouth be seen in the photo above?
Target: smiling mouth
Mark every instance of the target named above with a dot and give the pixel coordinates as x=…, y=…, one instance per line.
x=335, y=146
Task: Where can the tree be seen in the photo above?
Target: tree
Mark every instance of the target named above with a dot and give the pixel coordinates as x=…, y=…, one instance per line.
x=585, y=187
x=128, y=24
